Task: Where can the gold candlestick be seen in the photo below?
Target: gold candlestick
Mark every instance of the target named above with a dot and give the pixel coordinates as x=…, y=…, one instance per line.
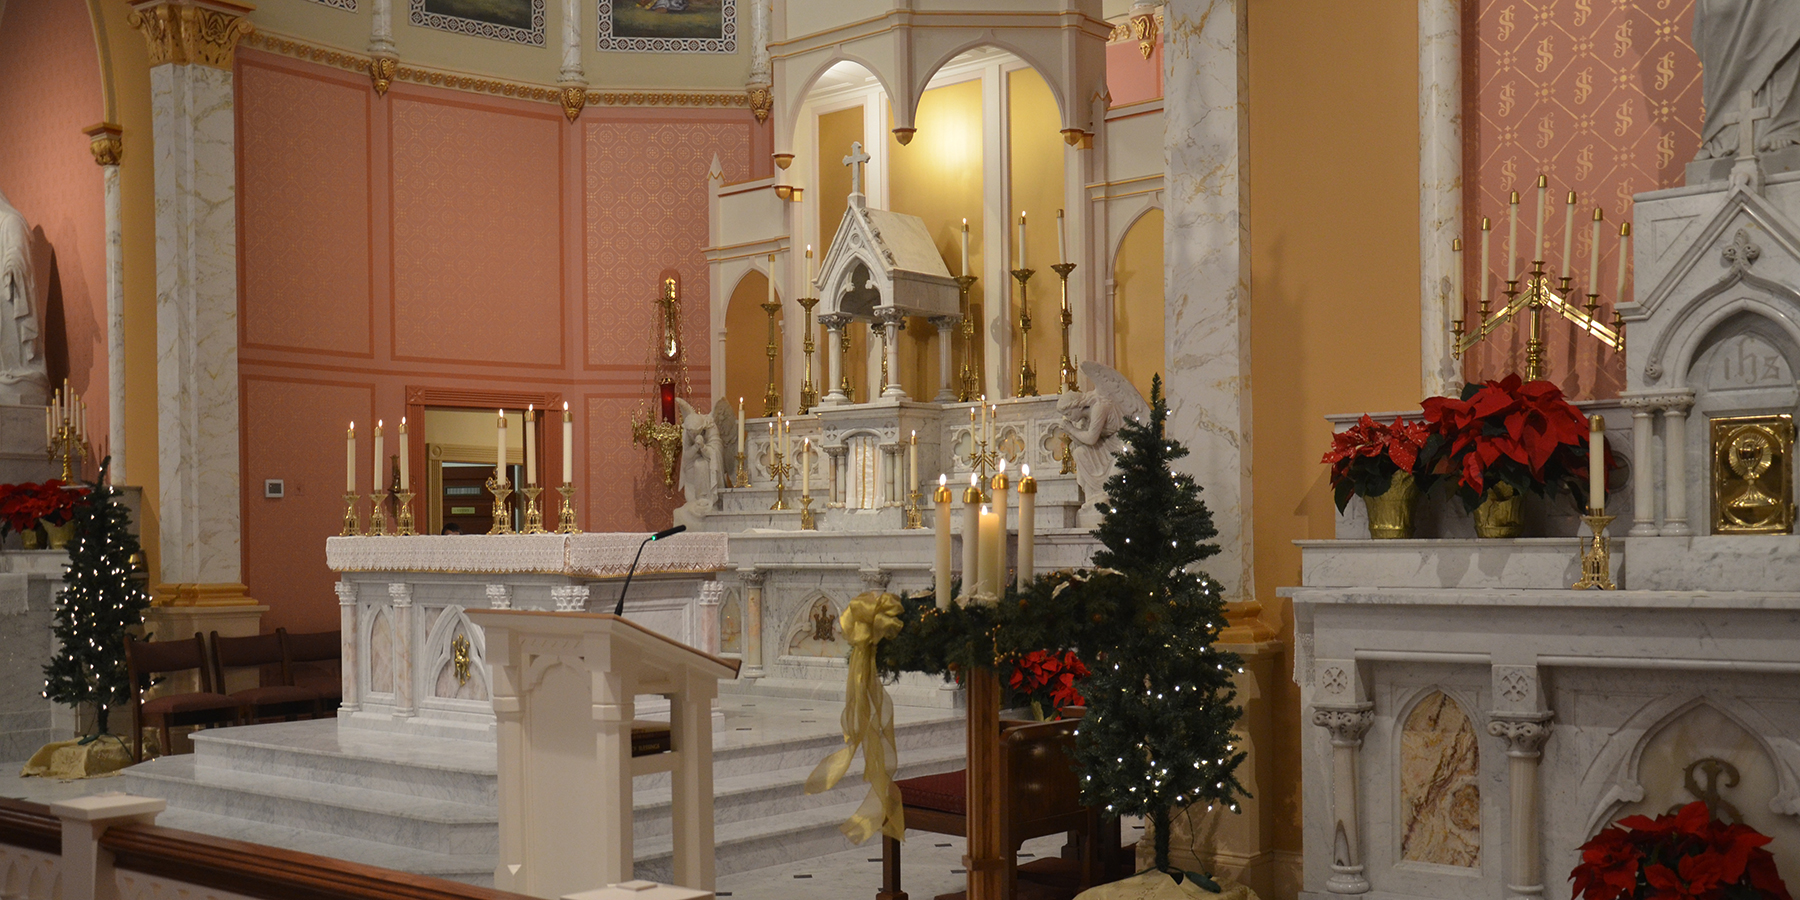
x=781, y=471
x=807, y=521
x=352, y=527
x=1067, y=366
x=970, y=382
x=378, y=515
x=742, y=477
x=404, y=514
x=1027, y=373
x=565, y=517
x=1596, y=560
x=772, y=395
x=844, y=354
x=502, y=510
x=534, y=518
x=70, y=446
x=913, y=518
x=809, y=395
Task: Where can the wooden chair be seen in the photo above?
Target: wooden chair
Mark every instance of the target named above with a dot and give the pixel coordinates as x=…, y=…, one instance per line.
x=1042, y=795
x=267, y=653
x=308, y=654
x=203, y=707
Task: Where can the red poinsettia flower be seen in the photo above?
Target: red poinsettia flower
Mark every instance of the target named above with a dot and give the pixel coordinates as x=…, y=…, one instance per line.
x=1523, y=433
x=1364, y=457
x=22, y=506
x=1686, y=855
x=1049, y=679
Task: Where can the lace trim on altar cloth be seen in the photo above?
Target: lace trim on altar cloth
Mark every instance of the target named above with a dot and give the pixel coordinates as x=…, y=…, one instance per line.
x=549, y=554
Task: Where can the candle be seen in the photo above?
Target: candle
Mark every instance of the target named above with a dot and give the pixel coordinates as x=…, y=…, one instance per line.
x=80, y=419
x=971, y=565
x=531, y=444
x=912, y=463
x=787, y=430
x=569, y=444
x=1597, y=465
x=993, y=413
x=49, y=426
x=350, y=460
x=1021, y=240
x=988, y=566
x=379, y=483
x=1487, y=229
x=743, y=445
x=1027, y=525
x=1543, y=191
x=499, y=446
x=1454, y=300
x=999, y=539
x=771, y=278
x=1512, y=240
x=405, y=466
x=1594, y=253
x=1062, y=239
x=806, y=467
x=811, y=276
x=941, y=525
x=965, y=247
x=1568, y=260
x=1624, y=256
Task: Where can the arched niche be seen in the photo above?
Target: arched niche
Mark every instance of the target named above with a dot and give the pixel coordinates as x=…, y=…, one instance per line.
x=747, y=341
x=1439, y=802
x=1744, y=365
x=1137, y=301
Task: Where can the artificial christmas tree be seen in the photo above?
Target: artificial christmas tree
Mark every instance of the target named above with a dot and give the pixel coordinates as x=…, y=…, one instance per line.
x=1158, y=733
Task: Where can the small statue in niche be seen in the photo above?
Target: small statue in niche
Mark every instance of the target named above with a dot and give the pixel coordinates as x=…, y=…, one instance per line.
x=1092, y=420
x=702, y=463
x=824, y=626
x=23, y=377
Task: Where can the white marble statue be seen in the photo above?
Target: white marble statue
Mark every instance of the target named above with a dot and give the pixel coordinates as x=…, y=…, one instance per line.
x=1093, y=419
x=23, y=378
x=1749, y=51
x=702, y=459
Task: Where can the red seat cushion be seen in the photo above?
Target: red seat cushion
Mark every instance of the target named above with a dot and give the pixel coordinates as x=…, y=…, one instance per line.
x=182, y=703
x=946, y=793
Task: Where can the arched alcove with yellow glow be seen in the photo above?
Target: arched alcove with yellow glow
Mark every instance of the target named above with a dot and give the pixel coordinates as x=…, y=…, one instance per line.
x=747, y=342
x=1138, y=301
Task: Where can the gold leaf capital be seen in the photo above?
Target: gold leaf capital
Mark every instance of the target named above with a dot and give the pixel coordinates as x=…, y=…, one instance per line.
x=183, y=32
x=106, y=141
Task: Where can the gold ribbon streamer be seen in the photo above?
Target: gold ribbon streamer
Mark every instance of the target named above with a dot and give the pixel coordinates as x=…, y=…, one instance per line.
x=868, y=722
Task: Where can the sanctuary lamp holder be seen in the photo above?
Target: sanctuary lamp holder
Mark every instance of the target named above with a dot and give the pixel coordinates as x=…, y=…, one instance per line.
x=809, y=395
x=501, y=489
x=969, y=382
x=665, y=437
x=1066, y=368
x=1027, y=373
x=565, y=517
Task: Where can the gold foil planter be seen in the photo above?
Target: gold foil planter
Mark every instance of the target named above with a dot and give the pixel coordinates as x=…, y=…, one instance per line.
x=1391, y=512
x=1501, y=513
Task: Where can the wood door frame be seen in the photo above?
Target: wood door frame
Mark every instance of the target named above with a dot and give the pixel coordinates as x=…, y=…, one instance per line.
x=420, y=398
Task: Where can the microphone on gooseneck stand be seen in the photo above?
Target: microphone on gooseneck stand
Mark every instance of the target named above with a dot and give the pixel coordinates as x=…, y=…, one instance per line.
x=619, y=609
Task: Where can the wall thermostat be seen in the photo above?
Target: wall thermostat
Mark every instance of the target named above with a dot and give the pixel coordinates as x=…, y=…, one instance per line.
x=274, y=488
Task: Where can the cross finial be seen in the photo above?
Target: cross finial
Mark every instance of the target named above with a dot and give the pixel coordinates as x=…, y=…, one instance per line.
x=1748, y=114
x=855, y=161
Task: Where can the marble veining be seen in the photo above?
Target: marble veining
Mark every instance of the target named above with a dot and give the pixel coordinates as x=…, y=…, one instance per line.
x=1440, y=188
x=1440, y=794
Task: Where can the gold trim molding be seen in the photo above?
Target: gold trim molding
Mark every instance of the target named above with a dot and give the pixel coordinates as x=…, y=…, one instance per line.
x=106, y=140
x=182, y=32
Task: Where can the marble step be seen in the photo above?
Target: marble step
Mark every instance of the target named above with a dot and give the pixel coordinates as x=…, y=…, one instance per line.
x=467, y=868
x=756, y=844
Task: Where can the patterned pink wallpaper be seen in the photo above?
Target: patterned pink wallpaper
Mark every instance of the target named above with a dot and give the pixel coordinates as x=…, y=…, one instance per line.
x=51, y=78
x=475, y=218
x=305, y=208
x=1603, y=96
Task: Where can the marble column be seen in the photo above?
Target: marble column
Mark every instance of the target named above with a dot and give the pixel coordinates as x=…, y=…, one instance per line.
x=1206, y=281
x=571, y=81
x=192, y=44
x=712, y=593
x=1440, y=190
x=1347, y=725
x=892, y=321
x=838, y=475
x=752, y=579
x=946, y=327
x=834, y=323
x=1675, y=453
x=106, y=142
x=384, y=59
x=1524, y=738
x=761, y=82
x=400, y=597
x=348, y=664
x=1643, y=483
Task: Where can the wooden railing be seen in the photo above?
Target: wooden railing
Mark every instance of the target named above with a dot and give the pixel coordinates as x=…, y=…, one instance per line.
x=30, y=825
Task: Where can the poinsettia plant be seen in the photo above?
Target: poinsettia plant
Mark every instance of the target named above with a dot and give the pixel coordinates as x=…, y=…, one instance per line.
x=23, y=506
x=1681, y=855
x=1365, y=457
x=1523, y=434
x=1046, y=681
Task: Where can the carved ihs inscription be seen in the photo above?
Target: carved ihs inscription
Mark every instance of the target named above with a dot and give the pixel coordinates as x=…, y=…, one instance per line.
x=1747, y=361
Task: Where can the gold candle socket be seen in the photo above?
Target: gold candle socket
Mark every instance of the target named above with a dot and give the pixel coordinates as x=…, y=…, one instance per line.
x=378, y=515
x=969, y=386
x=743, y=471
x=772, y=395
x=534, y=518
x=502, y=509
x=914, y=519
x=1596, y=560
x=1067, y=367
x=403, y=514
x=1027, y=373
x=352, y=528
x=807, y=521
x=565, y=517
x=809, y=395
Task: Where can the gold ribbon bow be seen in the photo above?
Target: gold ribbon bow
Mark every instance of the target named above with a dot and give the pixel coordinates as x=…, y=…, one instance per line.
x=868, y=722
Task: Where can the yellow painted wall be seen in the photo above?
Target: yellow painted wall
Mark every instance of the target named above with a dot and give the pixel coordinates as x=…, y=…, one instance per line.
x=1334, y=280
x=938, y=178
x=1037, y=191
x=837, y=130
x=746, y=345
x=1138, y=302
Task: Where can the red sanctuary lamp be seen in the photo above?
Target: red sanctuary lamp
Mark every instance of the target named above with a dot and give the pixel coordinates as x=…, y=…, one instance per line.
x=667, y=367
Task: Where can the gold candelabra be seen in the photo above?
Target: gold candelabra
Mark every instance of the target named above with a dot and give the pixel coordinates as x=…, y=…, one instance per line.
x=809, y=395
x=913, y=517
x=565, y=517
x=352, y=527
x=403, y=513
x=534, y=517
x=1596, y=560
x=378, y=515
x=772, y=395
x=501, y=490
x=782, y=471
x=65, y=427
x=1027, y=374
x=970, y=381
x=807, y=521
x=981, y=459
x=1067, y=367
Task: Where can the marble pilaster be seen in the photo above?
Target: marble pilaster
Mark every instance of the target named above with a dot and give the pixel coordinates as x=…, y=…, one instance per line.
x=1675, y=456
x=400, y=595
x=1440, y=189
x=892, y=320
x=834, y=323
x=752, y=579
x=348, y=663
x=946, y=326
x=105, y=139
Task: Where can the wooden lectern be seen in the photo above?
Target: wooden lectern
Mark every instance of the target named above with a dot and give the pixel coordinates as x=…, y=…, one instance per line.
x=563, y=686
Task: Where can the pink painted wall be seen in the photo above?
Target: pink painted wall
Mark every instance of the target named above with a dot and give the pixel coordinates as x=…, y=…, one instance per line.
x=451, y=242
x=50, y=90
x=1131, y=78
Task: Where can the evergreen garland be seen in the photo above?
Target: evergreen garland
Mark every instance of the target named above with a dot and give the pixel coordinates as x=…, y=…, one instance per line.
x=98, y=603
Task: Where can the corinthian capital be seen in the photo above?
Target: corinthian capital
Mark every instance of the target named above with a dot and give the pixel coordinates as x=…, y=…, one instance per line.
x=191, y=31
x=1347, y=724
x=1524, y=737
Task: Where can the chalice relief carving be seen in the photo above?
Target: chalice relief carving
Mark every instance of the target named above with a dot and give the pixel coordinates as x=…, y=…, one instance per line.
x=1752, y=488
x=1750, y=456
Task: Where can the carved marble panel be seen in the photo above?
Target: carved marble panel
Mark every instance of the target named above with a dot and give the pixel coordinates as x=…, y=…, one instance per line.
x=1440, y=794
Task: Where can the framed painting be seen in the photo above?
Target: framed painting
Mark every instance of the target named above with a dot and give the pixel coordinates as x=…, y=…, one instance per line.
x=669, y=26
x=513, y=21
